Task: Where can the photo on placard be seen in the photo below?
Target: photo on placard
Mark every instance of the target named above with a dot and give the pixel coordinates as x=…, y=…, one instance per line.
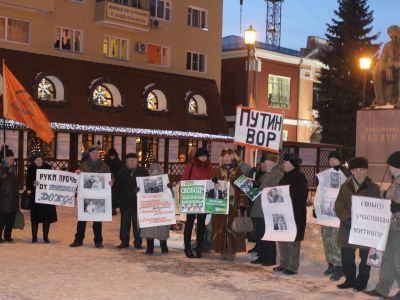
x=328, y=206
x=335, y=180
x=275, y=196
x=279, y=222
x=216, y=190
x=94, y=182
x=153, y=185
x=94, y=206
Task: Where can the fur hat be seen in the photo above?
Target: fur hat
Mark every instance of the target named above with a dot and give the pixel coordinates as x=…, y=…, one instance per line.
x=394, y=160
x=293, y=159
x=358, y=163
x=334, y=154
x=36, y=155
x=201, y=152
x=131, y=155
x=112, y=152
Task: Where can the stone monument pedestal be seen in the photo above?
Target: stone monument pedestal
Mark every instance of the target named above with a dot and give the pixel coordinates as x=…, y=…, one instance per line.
x=378, y=136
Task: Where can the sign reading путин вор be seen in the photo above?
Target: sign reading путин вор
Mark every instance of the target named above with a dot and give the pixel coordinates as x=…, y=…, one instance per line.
x=258, y=129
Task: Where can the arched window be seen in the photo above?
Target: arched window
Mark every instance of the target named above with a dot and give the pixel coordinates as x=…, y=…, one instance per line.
x=196, y=104
x=102, y=96
x=152, y=101
x=46, y=90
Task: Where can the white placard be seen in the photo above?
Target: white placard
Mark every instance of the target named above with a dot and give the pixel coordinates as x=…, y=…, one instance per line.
x=94, y=197
x=258, y=129
x=370, y=222
x=56, y=187
x=280, y=224
x=156, y=206
x=329, y=182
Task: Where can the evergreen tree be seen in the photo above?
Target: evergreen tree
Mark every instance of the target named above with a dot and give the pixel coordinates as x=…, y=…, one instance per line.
x=340, y=88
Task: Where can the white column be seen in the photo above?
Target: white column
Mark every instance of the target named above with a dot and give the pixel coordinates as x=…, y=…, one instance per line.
x=161, y=146
x=130, y=144
x=173, y=150
x=63, y=140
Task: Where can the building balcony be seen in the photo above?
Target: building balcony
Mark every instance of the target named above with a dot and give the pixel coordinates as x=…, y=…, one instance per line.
x=38, y=6
x=123, y=16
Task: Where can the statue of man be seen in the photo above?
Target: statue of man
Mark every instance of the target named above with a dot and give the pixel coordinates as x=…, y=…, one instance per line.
x=386, y=73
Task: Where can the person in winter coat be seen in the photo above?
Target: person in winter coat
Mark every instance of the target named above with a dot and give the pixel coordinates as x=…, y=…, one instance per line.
x=126, y=191
x=269, y=175
x=114, y=163
x=298, y=188
x=40, y=213
x=361, y=185
x=223, y=240
x=198, y=169
x=92, y=164
x=390, y=267
x=157, y=232
x=9, y=197
x=330, y=234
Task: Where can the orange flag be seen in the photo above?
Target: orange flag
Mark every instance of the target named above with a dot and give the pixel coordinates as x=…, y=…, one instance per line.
x=19, y=106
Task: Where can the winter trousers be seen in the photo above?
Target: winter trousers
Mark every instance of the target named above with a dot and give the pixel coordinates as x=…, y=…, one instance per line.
x=201, y=225
x=97, y=231
x=332, y=251
x=349, y=266
x=128, y=220
x=290, y=255
x=6, y=224
x=266, y=250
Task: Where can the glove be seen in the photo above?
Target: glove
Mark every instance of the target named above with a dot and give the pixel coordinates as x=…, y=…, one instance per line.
x=394, y=207
x=256, y=184
x=137, y=189
x=347, y=224
x=214, y=179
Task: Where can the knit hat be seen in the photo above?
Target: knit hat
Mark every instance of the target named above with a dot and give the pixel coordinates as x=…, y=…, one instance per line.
x=293, y=159
x=201, y=152
x=358, y=163
x=9, y=153
x=334, y=154
x=112, y=152
x=131, y=155
x=394, y=160
x=92, y=148
x=36, y=155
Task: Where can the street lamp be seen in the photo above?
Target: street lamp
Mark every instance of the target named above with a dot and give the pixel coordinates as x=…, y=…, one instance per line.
x=365, y=65
x=250, y=35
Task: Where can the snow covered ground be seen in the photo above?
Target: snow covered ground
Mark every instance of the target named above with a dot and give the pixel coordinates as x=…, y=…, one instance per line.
x=56, y=271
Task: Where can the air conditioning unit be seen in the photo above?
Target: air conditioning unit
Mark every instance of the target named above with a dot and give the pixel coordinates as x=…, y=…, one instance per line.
x=155, y=24
x=141, y=47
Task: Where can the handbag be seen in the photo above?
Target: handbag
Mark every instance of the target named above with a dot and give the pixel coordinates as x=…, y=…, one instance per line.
x=19, y=222
x=242, y=225
x=25, y=201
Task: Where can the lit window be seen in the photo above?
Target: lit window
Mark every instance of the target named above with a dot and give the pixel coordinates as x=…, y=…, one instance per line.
x=196, y=104
x=193, y=107
x=152, y=101
x=197, y=17
x=68, y=39
x=14, y=30
x=195, y=62
x=158, y=55
x=117, y=48
x=160, y=9
x=102, y=96
x=46, y=90
x=278, y=91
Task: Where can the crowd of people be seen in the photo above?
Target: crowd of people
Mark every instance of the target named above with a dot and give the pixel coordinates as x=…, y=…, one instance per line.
x=340, y=255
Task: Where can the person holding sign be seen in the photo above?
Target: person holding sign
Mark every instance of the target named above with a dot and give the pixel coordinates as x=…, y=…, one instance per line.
x=224, y=241
x=198, y=169
x=390, y=268
x=92, y=165
x=269, y=175
x=40, y=213
x=9, y=197
x=358, y=184
x=298, y=188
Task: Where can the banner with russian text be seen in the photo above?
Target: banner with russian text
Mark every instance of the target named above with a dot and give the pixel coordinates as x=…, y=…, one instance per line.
x=258, y=129
x=155, y=203
x=370, y=222
x=56, y=187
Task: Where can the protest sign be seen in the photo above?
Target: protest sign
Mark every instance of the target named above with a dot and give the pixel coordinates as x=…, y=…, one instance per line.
x=56, y=187
x=156, y=206
x=329, y=182
x=94, y=197
x=246, y=185
x=370, y=222
x=204, y=196
x=258, y=129
x=280, y=224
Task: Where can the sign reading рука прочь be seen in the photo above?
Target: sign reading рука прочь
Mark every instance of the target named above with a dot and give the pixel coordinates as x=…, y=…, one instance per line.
x=258, y=129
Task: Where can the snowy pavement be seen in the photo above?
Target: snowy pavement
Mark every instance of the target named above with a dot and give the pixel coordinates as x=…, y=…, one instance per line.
x=56, y=271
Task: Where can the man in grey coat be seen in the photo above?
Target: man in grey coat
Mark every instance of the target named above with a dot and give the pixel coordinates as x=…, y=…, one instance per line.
x=269, y=175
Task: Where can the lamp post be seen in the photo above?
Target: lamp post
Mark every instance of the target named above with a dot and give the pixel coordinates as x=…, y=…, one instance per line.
x=250, y=35
x=365, y=65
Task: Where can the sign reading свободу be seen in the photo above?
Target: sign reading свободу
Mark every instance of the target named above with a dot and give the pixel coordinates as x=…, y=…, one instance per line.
x=258, y=129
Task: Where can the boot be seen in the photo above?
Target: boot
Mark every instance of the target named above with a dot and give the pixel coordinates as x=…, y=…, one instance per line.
x=189, y=253
x=150, y=246
x=337, y=274
x=164, y=247
x=198, y=252
x=46, y=229
x=35, y=227
x=329, y=270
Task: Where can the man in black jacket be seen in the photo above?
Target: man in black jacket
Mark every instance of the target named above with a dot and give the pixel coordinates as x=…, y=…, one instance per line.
x=127, y=200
